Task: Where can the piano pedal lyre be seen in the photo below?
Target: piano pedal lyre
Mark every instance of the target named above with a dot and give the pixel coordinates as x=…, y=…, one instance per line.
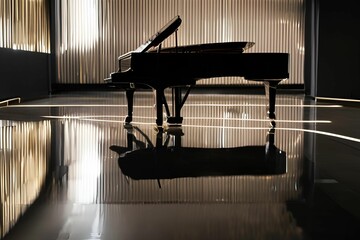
x=270, y=93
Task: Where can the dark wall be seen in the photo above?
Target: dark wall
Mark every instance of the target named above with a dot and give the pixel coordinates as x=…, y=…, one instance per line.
x=23, y=74
x=339, y=49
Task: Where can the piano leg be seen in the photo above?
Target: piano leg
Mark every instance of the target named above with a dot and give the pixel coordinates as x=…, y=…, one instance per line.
x=130, y=101
x=270, y=92
x=159, y=107
x=176, y=101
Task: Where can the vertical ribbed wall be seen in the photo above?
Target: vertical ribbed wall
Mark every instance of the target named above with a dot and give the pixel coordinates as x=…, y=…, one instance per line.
x=93, y=33
x=24, y=25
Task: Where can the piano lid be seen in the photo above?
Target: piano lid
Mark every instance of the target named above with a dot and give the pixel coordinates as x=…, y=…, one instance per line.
x=222, y=47
x=161, y=35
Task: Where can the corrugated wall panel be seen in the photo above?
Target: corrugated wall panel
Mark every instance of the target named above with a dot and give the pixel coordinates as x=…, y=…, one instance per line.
x=94, y=33
x=24, y=25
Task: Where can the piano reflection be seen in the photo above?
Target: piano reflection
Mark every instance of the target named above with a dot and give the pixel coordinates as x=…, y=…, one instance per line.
x=144, y=160
x=180, y=67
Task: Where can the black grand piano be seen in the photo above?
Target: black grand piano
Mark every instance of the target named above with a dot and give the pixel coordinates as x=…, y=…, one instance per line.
x=180, y=67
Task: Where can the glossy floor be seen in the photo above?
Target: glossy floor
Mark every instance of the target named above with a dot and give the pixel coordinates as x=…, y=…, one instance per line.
x=70, y=169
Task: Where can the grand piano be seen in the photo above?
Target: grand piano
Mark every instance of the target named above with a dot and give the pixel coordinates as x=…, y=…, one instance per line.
x=180, y=67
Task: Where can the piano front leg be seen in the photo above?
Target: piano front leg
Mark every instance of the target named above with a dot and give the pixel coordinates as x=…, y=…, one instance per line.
x=270, y=92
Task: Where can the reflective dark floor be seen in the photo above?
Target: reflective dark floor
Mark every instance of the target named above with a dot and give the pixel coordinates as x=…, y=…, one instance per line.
x=70, y=169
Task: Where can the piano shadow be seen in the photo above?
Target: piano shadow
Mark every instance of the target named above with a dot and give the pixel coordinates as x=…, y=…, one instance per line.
x=145, y=160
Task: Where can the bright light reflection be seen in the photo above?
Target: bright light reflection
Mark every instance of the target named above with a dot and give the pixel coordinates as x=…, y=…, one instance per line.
x=322, y=133
x=84, y=117
x=286, y=129
x=24, y=155
x=71, y=105
x=186, y=105
x=83, y=151
x=259, y=120
x=260, y=105
x=93, y=118
x=338, y=99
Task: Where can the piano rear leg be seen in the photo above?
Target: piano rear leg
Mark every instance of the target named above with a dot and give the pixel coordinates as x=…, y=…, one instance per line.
x=177, y=105
x=159, y=107
x=176, y=119
x=130, y=101
x=270, y=92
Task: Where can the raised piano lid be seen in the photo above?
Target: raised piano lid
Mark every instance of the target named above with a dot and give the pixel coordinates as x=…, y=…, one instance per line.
x=161, y=35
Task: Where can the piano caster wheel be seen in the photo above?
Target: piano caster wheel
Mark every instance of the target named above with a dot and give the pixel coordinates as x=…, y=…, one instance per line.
x=271, y=115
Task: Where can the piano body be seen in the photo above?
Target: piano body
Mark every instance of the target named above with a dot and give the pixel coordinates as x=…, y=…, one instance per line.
x=180, y=67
